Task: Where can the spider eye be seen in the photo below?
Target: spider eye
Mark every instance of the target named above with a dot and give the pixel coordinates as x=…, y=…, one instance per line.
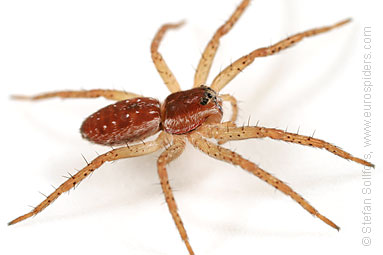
x=204, y=101
x=209, y=95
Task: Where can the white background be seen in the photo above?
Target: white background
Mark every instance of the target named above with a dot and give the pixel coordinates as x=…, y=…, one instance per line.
x=316, y=85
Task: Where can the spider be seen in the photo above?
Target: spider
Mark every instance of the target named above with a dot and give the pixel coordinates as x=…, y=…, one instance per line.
x=193, y=115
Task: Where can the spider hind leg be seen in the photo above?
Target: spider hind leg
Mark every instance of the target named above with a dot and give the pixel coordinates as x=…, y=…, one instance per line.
x=226, y=155
x=73, y=180
x=166, y=157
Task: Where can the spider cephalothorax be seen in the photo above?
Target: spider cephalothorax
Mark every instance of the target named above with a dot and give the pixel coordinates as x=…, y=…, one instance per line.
x=193, y=115
x=184, y=111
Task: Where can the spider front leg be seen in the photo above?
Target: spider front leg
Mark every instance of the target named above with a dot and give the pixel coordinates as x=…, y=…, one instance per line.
x=120, y=153
x=235, y=68
x=94, y=93
x=166, y=157
x=223, y=154
x=225, y=133
x=208, y=55
x=161, y=66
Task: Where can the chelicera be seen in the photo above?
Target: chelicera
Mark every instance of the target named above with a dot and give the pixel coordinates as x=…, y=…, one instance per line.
x=192, y=115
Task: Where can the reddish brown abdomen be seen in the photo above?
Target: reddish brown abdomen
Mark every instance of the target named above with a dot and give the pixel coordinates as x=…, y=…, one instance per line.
x=123, y=122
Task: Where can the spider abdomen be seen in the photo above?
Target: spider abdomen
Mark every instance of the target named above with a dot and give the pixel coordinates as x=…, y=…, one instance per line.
x=186, y=110
x=122, y=122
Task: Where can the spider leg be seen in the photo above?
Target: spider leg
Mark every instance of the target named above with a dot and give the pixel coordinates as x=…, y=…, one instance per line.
x=208, y=55
x=161, y=66
x=224, y=133
x=229, y=156
x=234, y=105
x=115, y=154
x=240, y=64
x=106, y=93
x=166, y=157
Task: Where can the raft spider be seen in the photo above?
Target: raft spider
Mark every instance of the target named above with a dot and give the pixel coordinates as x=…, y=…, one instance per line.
x=192, y=115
